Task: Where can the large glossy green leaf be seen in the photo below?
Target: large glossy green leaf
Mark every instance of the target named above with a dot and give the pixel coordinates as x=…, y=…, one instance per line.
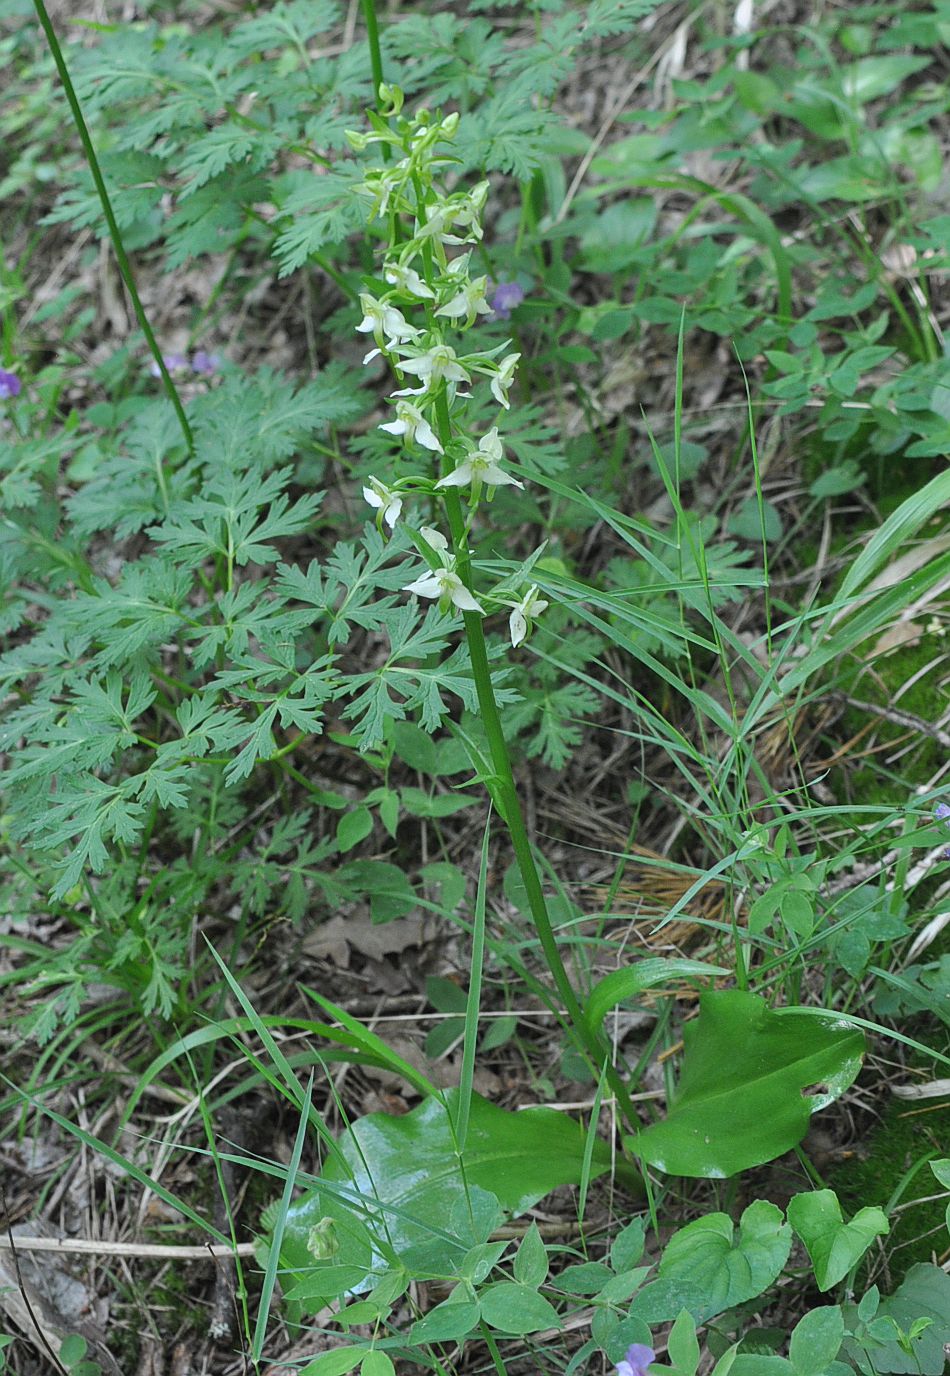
x=397, y=1194
x=741, y=1098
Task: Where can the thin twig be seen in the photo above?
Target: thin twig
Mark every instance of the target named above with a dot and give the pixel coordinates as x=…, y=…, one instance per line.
x=91, y=1246
x=898, y=717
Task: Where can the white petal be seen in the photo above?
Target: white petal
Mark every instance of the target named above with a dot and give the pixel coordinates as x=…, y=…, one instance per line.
x=460, y=478
x=367, y=358
x=463, y=599
x=373, y=498
x=427, y=438
x=518, y=627
x=497, y=477
x=427, y=586
x=392, y=512
x=395, y=427
x=434, y=537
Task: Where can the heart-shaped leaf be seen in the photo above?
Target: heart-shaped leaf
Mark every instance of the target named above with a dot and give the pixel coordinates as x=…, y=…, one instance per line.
x=396, y=1193
x=833, y=1245
x=707, y=1268
x=741, y=1098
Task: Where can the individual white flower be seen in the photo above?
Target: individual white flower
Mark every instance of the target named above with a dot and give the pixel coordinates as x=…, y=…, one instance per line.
x=503, y=378
x=388, y=325
x=408, y=280
x=519, y=622
x=431, y=367
x=412, y=423
x=387, y=502
x=446, y=585
x=481, y=466
x=468, y=302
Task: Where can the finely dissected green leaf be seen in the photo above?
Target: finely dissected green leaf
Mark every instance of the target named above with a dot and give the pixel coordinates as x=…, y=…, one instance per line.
x=640, y=975
x=740, y=1100
x=713, y=1267
x=405, y=1181
x=833, y=1245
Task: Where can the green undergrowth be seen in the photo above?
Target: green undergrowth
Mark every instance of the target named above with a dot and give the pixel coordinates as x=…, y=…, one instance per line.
x=888, y=1166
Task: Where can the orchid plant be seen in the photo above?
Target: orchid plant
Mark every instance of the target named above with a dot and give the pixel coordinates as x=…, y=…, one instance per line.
x=431, y=290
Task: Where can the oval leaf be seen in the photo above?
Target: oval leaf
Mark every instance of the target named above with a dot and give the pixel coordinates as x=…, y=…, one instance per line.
x=741, y=1098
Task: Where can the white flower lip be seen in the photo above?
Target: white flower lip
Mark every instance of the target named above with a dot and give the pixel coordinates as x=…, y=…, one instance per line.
x=446, y=585
x=519, y=622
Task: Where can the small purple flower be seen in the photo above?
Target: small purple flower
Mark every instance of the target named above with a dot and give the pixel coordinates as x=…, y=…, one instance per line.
x=505, y=297
x=635, y=1363
x=205, y=363
x=942, y=814
x=10, y=385
x=173, y=362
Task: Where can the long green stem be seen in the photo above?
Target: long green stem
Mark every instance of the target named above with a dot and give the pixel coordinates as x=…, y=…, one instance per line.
x=375, y=55
x=125, y=267
x=588, y=1042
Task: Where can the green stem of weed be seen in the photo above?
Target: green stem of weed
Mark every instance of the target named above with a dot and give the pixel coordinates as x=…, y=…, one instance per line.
x=505, y=794
x=375, y=55
x=125, y=267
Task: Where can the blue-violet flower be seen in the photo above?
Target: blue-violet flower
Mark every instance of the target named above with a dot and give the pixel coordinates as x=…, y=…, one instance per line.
x=635, y=1363
x=10, y=385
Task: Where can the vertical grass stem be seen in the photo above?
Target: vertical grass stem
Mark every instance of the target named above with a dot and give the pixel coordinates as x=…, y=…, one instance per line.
x=125, y=267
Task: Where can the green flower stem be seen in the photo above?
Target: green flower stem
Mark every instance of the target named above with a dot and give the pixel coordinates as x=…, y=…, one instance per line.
x=125, y=267
x=375, y=55
x=588, y=1042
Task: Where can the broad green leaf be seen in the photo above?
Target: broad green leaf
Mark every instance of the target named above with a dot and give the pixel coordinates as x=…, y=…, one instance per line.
x=682, y=1345
x=514, y=1308
x=740, y=1099
x=627, y=1247
x=833, y=1245
x=715, y=1267
x=396, y=1187
x=873, y=77
x=377, y=1363
x=353, y=827
x=816, y=1340
x=334, y=1363
x=634, y=979
x=447, y=1322
x=531, y=1259
x=923, y=1293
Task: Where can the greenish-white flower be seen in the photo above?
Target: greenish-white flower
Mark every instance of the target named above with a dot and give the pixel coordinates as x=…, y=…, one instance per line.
x=387, y=502
x=468, y=302
x=387, y=324
x=502, y=379
x=482, y=466
x=523, y=613
x=408, y=280
x=431, y=366
x=412, y=423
